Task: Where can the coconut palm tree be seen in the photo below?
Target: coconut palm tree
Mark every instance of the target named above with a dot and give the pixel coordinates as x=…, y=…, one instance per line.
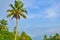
x=3, y=24
x=16, y=12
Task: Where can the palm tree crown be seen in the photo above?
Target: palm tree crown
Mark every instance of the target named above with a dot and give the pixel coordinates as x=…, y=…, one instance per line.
x=17, y=10
x=3, y=25
x=3, y=22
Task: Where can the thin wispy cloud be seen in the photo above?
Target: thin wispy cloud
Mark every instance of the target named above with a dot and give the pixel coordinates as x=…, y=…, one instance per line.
x=34, y=16
x=50, y=12
x=53, y=12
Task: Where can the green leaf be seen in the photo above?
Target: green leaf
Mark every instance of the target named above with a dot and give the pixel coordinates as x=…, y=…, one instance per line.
x=24, y=10
x=10, y=10
x=12, y=6
x=21, y=14
x=10, y=14
x=14, y=16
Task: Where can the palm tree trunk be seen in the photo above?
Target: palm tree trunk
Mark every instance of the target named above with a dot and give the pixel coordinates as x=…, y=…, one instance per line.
x=16, y=29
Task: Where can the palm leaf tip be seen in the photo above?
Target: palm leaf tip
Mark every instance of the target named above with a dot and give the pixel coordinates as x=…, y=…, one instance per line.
x=12, y=6
x=25, y=11
x=8, y=10
x=22, y=15
x=9, y=15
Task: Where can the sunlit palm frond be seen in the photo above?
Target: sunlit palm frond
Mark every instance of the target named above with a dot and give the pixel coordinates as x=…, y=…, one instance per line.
x=23, y=10
x=22, y=15
x=10, y=10
x=17, y=3
x=9, y=15
x=21, y=4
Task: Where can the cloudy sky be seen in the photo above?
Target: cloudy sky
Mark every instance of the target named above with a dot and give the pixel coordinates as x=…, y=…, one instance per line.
x=43, y=17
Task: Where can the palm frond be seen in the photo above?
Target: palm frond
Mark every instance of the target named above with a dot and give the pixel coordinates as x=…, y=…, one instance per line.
x=17, y=3
x=13, y=16
x=12, y=6
x=9, y=15
x=22, y=15
x=21, y=4
x=10, y=10
x=24, y=10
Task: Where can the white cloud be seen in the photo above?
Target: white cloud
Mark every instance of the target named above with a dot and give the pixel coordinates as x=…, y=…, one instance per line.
x=52, y=12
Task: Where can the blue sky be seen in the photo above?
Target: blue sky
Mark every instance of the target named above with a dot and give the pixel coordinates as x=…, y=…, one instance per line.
x=43, y=17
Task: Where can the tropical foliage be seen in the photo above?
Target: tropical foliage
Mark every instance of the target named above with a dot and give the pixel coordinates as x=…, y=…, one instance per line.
x=24, y=36
x=7, y=35
x=3, y=25
x=55, y=37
